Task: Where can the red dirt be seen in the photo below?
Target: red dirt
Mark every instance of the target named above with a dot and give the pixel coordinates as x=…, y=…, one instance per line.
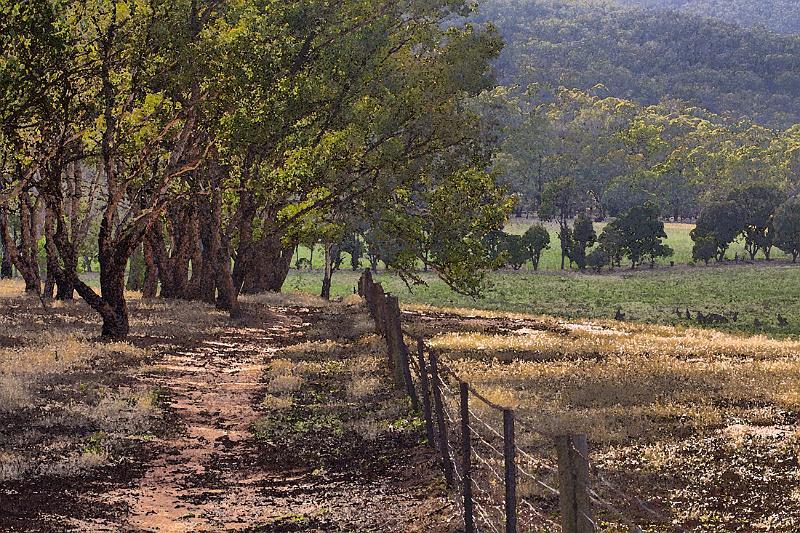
x=208, y=473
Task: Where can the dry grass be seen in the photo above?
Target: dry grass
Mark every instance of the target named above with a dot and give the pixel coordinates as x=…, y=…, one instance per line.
x=669, y=411
x=283, y=299
x=63, y=397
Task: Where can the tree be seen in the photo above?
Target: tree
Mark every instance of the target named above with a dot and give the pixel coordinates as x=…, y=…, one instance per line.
x=559, y=202
x=535, y=240
x=787, y=228
x=583, y=237
x=719, y=223
x=220, y=128
x=638, y=234
x=516, y=252
x=756, y=204
x=597, y=259
x=494, y=245
x=705, y=248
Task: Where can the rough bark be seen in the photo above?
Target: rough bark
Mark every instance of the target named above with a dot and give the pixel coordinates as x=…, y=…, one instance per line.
x=271, y=263
x=326, y=279
x=25, y=256
x=6, y=267
x=136, y=271
x=227, y=292
x=150, y=281
x=194, y=287
x=173, y=262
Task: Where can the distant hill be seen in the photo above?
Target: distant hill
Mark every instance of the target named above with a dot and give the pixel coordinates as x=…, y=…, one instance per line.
x=650, y=55
x=782, y=16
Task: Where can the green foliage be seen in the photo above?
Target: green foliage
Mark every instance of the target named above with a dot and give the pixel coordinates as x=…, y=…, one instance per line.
x=787, y=228
x=651, y=56
x=705, y=248
x=637, y=235
x=536, y=239
x=597, y=259
x=756, y=204
x=516, y=252
x=777, y=15
x=583, y=237
x=720, y=223
x=559, y=200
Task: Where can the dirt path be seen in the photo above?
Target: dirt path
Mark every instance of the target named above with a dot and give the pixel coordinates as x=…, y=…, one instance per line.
x=211, y=474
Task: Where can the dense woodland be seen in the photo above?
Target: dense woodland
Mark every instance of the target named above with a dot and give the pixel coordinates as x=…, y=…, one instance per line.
x=649, y=56
x=781, y=16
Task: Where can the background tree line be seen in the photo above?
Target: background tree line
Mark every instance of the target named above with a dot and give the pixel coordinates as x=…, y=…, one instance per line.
x=607, y=154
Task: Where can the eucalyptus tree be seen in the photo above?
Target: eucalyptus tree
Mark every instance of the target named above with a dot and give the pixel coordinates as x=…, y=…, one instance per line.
x=343, y=107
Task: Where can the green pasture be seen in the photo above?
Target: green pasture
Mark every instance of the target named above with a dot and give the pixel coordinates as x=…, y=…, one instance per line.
x=756, y=291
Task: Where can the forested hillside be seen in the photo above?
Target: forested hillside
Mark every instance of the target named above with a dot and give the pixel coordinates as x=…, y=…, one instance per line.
x=782, y=16
x=649, y=56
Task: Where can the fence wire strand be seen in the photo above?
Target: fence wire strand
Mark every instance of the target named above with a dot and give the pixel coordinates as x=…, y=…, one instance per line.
x=482, y=432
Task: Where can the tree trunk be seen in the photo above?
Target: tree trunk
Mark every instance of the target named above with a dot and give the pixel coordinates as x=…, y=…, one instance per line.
x=111, y=305
x=270, y=265
x=207, y=286
x=53, y=270
x=326, y=280
x=6, y=268
x=197, y=278
x=21, y=257
x=136, y=271
x=150, y=280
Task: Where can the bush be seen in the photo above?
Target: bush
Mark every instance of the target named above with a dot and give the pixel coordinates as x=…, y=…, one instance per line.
x=597, y=259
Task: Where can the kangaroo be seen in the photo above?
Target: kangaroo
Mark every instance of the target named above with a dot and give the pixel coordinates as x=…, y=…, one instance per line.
x=716, y=318
x=619, y=315
x=782, y=322
x=678, y=313
x=700, y=317
x=735, y=316
x=688, y=314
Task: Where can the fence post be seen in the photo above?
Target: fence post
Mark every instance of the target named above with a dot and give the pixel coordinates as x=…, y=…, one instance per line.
x=426, y=391
x=392, y=343
x=402, y=369
x=447, y=465
x=573, y=480
x=509, y=455
x=466, y=457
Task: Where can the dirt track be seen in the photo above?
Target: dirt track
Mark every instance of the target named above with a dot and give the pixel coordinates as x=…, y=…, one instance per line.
x=209, y=473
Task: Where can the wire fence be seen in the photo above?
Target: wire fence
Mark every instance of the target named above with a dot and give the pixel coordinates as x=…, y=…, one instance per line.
x=502, y=484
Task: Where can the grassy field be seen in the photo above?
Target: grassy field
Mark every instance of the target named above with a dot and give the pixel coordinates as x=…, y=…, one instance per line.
x=677, y=238
x=756, y=292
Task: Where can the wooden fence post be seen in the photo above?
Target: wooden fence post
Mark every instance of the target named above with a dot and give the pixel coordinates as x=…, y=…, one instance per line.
x=573, y=480
x=402, y=368
x=466, y=458
x=426, y=391
x=390, y=333
x=510, y=455
x=447, y=465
